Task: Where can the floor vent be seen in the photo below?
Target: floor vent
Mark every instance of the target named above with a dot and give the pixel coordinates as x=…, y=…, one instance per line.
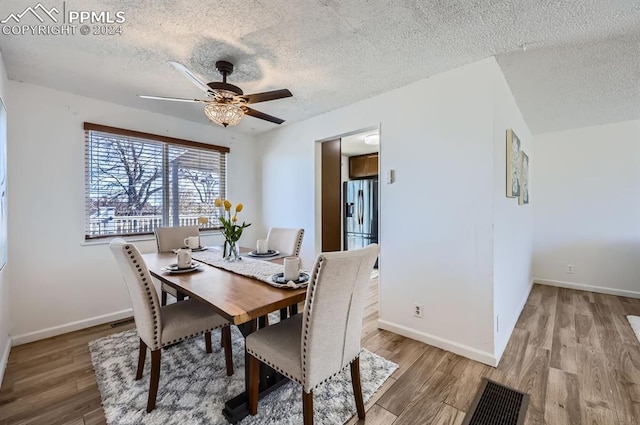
x=121, y=322
x=496, y=404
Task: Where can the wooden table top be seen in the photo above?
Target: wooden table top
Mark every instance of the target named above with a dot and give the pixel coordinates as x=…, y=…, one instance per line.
x=237, y=298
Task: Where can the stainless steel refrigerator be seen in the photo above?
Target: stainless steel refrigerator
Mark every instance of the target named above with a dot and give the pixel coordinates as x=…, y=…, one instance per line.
x=360, y=213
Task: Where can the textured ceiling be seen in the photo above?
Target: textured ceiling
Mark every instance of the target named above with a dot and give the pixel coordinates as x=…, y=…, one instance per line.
x=581, y=65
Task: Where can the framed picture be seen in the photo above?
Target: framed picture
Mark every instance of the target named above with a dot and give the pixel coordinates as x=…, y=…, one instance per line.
x=523, y=199
x=513, y=164
x=3, y=185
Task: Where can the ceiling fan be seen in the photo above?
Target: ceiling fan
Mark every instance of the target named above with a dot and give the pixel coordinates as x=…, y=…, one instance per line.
x=226, y=104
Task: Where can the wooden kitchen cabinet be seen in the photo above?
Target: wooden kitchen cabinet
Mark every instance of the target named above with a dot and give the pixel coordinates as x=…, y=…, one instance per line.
x=363, y=166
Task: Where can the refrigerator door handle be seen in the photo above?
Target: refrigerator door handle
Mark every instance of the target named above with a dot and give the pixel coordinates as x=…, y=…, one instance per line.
x=360, y=207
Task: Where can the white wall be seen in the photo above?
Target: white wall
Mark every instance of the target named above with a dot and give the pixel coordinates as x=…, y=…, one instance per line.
x=436, y=219
x=587, y=208
x=5, y=317
x=344, y=168
x=60, y=283
x=513, y=226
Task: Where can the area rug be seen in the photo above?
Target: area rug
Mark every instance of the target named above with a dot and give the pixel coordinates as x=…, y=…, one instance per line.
x=194, y=385
x=635, y=324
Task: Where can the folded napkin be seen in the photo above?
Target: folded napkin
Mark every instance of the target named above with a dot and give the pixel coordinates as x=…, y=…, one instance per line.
x=292, y=284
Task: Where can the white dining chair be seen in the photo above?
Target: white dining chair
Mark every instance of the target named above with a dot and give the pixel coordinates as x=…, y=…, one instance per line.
x=286, y=240
x=159, y=327
x=311, y=347
x=168, y=239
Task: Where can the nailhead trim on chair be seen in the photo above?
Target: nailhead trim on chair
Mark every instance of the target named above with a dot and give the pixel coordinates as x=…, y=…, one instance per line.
x=299, y=244
x=310, y=296
x=291, y=377
x=311, y=293
x=192, y=335
x=156, y=336
x=154, y=312
x=268, y=363
x=337, y=373
x=304, y=364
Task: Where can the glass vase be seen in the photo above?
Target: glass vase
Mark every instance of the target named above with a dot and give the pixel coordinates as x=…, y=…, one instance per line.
x=231, y=250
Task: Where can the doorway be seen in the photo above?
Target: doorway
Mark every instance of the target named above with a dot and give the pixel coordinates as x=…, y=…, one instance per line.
x=349, y=183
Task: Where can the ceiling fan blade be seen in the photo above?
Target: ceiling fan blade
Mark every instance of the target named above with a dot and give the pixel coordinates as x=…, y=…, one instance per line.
x=261, y=115
x=174, y=99
x=190, y=76
x=268, y=95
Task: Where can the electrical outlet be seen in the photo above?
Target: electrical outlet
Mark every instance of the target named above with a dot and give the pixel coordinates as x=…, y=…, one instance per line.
x=570, y=268
x=418, y=310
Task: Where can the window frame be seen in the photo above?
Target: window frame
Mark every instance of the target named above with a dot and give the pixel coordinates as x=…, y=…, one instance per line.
x=167, y=142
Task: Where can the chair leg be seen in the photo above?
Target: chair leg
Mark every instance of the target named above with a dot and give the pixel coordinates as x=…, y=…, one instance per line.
x=154, y=380
x=141, y=357
x=163, y=299
x=357, y=387
x=228, y=353
x=254, y=383
x=284, y=314
x=207, y=341
x=307, y=407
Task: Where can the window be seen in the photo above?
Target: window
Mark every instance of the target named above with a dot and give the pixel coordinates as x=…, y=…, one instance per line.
x=135, y=182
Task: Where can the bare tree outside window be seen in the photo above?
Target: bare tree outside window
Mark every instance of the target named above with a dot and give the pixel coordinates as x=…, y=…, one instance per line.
x=127, y=175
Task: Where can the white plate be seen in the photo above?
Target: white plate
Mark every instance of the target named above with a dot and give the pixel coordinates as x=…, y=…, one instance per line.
x=201, y=248
x=173, y=268
x=279, y=278
x=268, y=254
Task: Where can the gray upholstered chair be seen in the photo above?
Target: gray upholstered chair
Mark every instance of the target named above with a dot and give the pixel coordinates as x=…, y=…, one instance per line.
x=167, y=239
x=159, y=327
x=311, y=347
x=287, y=241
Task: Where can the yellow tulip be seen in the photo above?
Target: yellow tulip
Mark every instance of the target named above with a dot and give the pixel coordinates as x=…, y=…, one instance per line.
x=227, y=205
x=218, y=202
x=234, y=218
x=239, y=208
x=203, y=220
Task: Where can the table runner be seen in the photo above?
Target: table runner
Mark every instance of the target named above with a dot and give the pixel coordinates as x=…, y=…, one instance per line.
x=257, y=269
x=242, y=254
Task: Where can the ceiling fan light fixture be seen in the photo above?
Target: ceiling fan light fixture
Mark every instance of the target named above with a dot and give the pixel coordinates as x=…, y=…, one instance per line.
x=372, y=139
x=224, y=114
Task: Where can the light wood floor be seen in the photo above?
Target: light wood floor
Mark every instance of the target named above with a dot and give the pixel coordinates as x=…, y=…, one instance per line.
x=573, y=351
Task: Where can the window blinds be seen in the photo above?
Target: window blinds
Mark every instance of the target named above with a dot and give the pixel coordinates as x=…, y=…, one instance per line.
x=135, y=182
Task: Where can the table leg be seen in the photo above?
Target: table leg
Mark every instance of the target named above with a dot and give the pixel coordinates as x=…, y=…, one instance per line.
x=262, y=322
x=236, y=409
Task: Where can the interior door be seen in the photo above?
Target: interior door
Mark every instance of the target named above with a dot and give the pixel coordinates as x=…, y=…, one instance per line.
x=331, y=195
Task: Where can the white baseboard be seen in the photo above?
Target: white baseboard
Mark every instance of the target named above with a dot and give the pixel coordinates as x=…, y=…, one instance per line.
x=582, y=287
x=5, y=360
x=514, y=320
x=70, y=327
x=445, y=344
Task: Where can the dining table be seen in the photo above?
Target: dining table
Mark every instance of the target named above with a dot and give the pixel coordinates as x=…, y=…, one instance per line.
x=243, y=300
